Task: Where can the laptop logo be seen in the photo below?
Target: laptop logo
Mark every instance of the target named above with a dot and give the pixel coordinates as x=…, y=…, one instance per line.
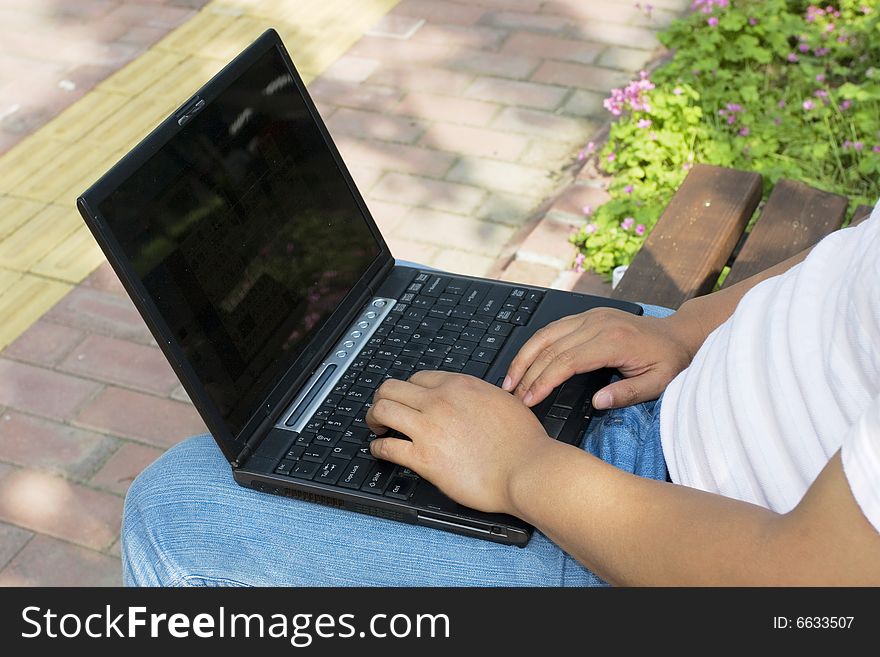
x=189, y=110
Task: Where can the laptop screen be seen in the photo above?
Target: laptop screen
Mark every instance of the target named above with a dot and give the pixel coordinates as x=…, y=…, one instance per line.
x=245, y=234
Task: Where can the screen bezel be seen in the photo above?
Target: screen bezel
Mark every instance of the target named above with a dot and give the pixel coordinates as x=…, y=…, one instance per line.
x=284, y=387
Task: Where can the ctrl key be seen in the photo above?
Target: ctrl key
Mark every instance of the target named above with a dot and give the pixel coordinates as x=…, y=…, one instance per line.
x=401, y=488
x=355, y=474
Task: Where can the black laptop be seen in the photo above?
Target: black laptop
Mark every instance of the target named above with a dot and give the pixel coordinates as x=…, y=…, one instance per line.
x=240, y=236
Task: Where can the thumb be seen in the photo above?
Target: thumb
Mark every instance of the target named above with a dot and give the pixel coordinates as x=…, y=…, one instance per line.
x=394, y=450
x=627, y=392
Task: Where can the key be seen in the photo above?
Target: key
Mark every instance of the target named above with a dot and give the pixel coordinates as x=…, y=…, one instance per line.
x=401, y=488
x=355, y=435
x=483, y=355
x=359, y=364
x=431, y=324
x=406, y=298
x=322, y=413
x=479, y=324
x=399, y=309
x=504, y=315
x=527, y=307
x=360, y=421
x=559, y=412
x=314, y=425
x=330, y=471
x=471, y=335
x=315, y=453
x=379, y=476
x=534, y=297
x=492, y=341
x=415, y=287
x=285, y=467
x=386, y=354
x=441, y=312
x=304, y=469
x=327, y=438
x=553, y=426
x=305, y=439
x=456, y=287
x=518, y=293
x=473, y=296
x=417, y=314
x=406, y=325
x=446, y=337
x=429, y=363
x=364, y=452
x=341, y=388
x=399, y=374
x=370, y=380
x=475, y=368
x=395, y=340
x=438, y=350
x=295, y=453
x=492, y=303
x=422, y=277
x=368, y=353
x=520, y=319
x=350, y=377
x=332, y=400
x=422, y=337
x=336, y=423
x=348, y=408
x=462, y=348
x=354, y=475
x=510, y=306
x=567, y=397
x=359, y=394
x=422, y=302
x=457, y=325
x=447, y=300
x=436, y=285
x=404, y=363
x=377, y=367
x=460, y=312
x=345, y=451
x=452, y=362
x=497, y=328
x=413, y=350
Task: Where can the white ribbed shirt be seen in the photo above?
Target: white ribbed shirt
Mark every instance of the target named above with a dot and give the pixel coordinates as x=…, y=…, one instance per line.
x=790, y=378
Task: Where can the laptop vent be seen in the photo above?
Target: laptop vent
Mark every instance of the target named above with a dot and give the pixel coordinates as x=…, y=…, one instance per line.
x=313, y=497
x=379, y=513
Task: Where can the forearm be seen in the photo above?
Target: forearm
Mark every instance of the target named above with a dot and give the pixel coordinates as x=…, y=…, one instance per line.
x=635, y=531
x=699, y=316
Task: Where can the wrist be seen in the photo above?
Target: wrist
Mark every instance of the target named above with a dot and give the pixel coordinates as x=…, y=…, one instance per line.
x=688, y=328
x=527, y=481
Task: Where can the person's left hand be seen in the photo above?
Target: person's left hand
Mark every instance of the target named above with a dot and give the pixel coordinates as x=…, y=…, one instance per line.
x=469, y=438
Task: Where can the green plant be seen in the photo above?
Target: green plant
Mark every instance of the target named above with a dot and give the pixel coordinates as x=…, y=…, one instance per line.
x=781, y=87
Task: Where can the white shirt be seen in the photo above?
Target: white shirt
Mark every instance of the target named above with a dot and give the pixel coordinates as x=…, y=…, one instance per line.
x=790, y=378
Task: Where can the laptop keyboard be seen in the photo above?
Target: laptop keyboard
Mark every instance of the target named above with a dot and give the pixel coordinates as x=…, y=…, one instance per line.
x=440, y=323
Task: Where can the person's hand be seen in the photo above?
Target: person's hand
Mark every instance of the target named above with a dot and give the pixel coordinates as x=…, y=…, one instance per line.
x=467, y=437
x=648, y=351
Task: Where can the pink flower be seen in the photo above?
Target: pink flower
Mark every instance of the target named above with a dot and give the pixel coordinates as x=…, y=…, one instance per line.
x=713, y=21
x=820, y=77
x=876, y=148
x=611, y=157
x=821, y=52
x=792, y=58
x=777, y=121
x=753, y=21
x=590, y=228
x=678, y=91
x=820, y=93
x=644, y=123
x=804, y=47
x=808, y=105
x=628, y=189
x=744, y=131
x=587, y=209
x=627, y=223
x=640, y=229
x=845, y=105
x=633, y=96
x=829, y=27
x=780, y=104
x=582, y=155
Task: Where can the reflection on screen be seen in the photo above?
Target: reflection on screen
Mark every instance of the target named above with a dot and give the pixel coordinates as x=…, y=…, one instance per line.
x=245, y=236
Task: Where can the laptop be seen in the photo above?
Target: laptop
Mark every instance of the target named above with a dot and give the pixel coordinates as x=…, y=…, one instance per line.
x=240, y=236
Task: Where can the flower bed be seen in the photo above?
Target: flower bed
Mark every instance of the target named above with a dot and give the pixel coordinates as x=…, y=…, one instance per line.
x=781, y=87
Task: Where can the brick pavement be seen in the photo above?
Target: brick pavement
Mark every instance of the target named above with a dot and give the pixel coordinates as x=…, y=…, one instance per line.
x=459, y=120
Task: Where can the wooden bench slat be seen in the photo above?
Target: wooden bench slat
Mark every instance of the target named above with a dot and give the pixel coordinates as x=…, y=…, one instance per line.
x=861, y=213
x=795, y=218
x=691, y=242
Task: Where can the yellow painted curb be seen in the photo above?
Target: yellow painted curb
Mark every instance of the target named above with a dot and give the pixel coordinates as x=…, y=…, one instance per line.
x=45, y=249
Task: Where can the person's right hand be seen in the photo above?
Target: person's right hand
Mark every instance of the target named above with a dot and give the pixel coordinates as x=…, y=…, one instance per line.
x=648, y=351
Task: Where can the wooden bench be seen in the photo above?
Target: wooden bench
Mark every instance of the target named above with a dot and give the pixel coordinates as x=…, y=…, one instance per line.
x=703, y=229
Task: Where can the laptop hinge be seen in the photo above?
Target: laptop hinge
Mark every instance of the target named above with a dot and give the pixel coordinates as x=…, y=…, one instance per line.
x=252, y=444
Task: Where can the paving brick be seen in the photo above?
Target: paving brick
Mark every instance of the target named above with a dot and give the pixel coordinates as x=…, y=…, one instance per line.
x=428, y=192
x=361, y=96
x=500, y=176
x=44, y=445
x=586, y=104
x=352, y=69
x=123, y=362
x=576, y=197
x=396, y=50
x=14, y=212
x=100, y=312
x=618, y=35
x=544, y=125
x=431, y=80
x=627, y=59
x=41, y=391
x=439, y=11
x=448, y=109
x=50, y=505
x=516, y=92
x=505, y=208
x=552, y=47
x=518, y=20
x=129, y=414
x=12, y=539
x=386, y=215
x=405, y=249
x=364, y=177
x=44, y=343
x=517, y=5
x=71, y=260
x=490, y=63
x=548, y=243
x=105, y=279
x=461, y=262
x=126, y=464
x=8, y=279
x=395, y=157
x=371, y=125
x=393, y=26
x=49, y=562
x=454, y=231
x=481, y=142
x=529, y=273
x=580, y=76
x=180, y=395
x=152, y=15
x=479, y=38
x=554, y=155
x=37, y=236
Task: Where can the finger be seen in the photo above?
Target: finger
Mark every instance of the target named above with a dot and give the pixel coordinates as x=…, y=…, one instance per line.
x=576, y=346
x=627, y=392
x=387, y=414
x=429, y=378
x=534, y=346
x=402, y=392
x=573, y=358
x=394, y=450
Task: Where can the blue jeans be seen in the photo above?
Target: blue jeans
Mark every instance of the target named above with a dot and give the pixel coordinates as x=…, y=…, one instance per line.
x=187, y=523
